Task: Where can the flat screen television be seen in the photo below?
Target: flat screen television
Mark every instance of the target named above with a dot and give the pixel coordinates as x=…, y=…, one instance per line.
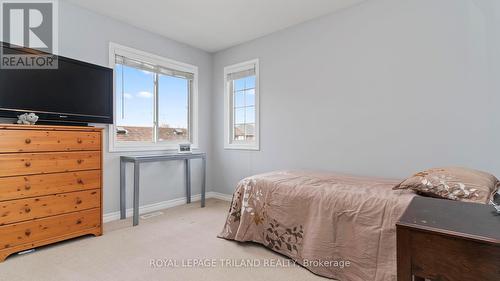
x=75, y=93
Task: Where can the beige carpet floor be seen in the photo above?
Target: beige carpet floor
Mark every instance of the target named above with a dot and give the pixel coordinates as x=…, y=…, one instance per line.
x=175, y=241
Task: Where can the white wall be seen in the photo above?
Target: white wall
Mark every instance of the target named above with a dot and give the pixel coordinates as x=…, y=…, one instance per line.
x=85, y=35
x=385, y=88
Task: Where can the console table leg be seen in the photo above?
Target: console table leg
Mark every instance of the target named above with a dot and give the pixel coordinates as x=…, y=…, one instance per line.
x=136, y=193
x=122, y=190
x=203, y=180
x=188, y=181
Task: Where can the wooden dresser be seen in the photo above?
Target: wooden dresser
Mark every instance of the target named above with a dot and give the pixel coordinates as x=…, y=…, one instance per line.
x=444, y=240
x=50, y=185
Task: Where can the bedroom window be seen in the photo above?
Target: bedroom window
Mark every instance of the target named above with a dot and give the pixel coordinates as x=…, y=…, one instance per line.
x=241, y=100
x=154, y=100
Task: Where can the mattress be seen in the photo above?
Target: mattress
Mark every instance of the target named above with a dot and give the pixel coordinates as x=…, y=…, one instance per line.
x=338, y=226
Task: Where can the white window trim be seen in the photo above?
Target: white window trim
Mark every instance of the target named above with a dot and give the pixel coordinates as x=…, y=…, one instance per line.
x=114, y=145
x=228, y=142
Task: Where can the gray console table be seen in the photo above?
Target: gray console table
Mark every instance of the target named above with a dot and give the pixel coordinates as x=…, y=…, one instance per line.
x=137, y=160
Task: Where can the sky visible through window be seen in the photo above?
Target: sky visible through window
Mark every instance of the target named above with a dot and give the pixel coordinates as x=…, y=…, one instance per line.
x=137, y=100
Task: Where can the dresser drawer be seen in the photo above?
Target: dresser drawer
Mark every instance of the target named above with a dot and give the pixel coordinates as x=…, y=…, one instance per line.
x=33, y=208
x=39, y=163
x=36, y=141
x=38, y=185
x=48, y=228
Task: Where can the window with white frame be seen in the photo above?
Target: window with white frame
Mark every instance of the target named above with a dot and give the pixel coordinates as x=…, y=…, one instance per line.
x=155, y=101
x=241, y=101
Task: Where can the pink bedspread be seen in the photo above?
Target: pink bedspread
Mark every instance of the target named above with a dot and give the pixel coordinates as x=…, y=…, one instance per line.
x=322, y=221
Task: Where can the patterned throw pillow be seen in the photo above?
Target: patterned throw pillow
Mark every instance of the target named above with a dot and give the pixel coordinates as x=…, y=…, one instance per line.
x=453, y=183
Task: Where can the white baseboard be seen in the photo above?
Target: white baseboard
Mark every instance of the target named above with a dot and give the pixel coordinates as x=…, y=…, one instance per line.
x=220, y=196
x=165, y=205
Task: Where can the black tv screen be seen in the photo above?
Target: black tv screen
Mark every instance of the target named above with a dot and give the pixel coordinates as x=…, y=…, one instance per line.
x=76, y=92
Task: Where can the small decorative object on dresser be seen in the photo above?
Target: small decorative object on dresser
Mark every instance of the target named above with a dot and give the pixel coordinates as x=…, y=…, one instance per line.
x=448, y=240
x=27, y=119
x=50, y=185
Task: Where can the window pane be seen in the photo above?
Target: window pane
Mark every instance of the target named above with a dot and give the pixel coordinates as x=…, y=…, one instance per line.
x=239, y=132
x=250, y=97
x=173, y=108
x=239, y=99
x=249, y=131
x=244, y=109
x=134, y=104
x=250, y=82
x=250, y=114
x=239, y=84
x=239, y=115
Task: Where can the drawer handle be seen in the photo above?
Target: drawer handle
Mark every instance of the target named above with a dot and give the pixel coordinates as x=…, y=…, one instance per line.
x=79, y=181
x=27, y=209
x=27, y=164
x=79, y=221
x=27, y=186
x=79, y=161
x=79, y=140
x=78, y=201
x=27, y=232
x=27, y=141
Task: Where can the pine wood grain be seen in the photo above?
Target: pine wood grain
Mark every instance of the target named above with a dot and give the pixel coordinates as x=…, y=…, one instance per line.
x=38, y=185
x=50, y=185
x=26, y=232
x=50, y=128
x=15, y=164
x=14, y=211
x=4, y=253
x=37, y=141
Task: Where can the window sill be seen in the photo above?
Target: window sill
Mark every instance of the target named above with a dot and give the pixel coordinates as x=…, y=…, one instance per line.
x=251, y=147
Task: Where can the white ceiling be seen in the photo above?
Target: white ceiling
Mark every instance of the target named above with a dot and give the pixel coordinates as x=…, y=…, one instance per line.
x=213, y=25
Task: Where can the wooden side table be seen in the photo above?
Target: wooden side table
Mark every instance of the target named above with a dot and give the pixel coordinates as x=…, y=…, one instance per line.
x=443, y=240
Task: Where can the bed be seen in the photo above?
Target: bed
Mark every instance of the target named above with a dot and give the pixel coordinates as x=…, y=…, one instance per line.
x=337, y=226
